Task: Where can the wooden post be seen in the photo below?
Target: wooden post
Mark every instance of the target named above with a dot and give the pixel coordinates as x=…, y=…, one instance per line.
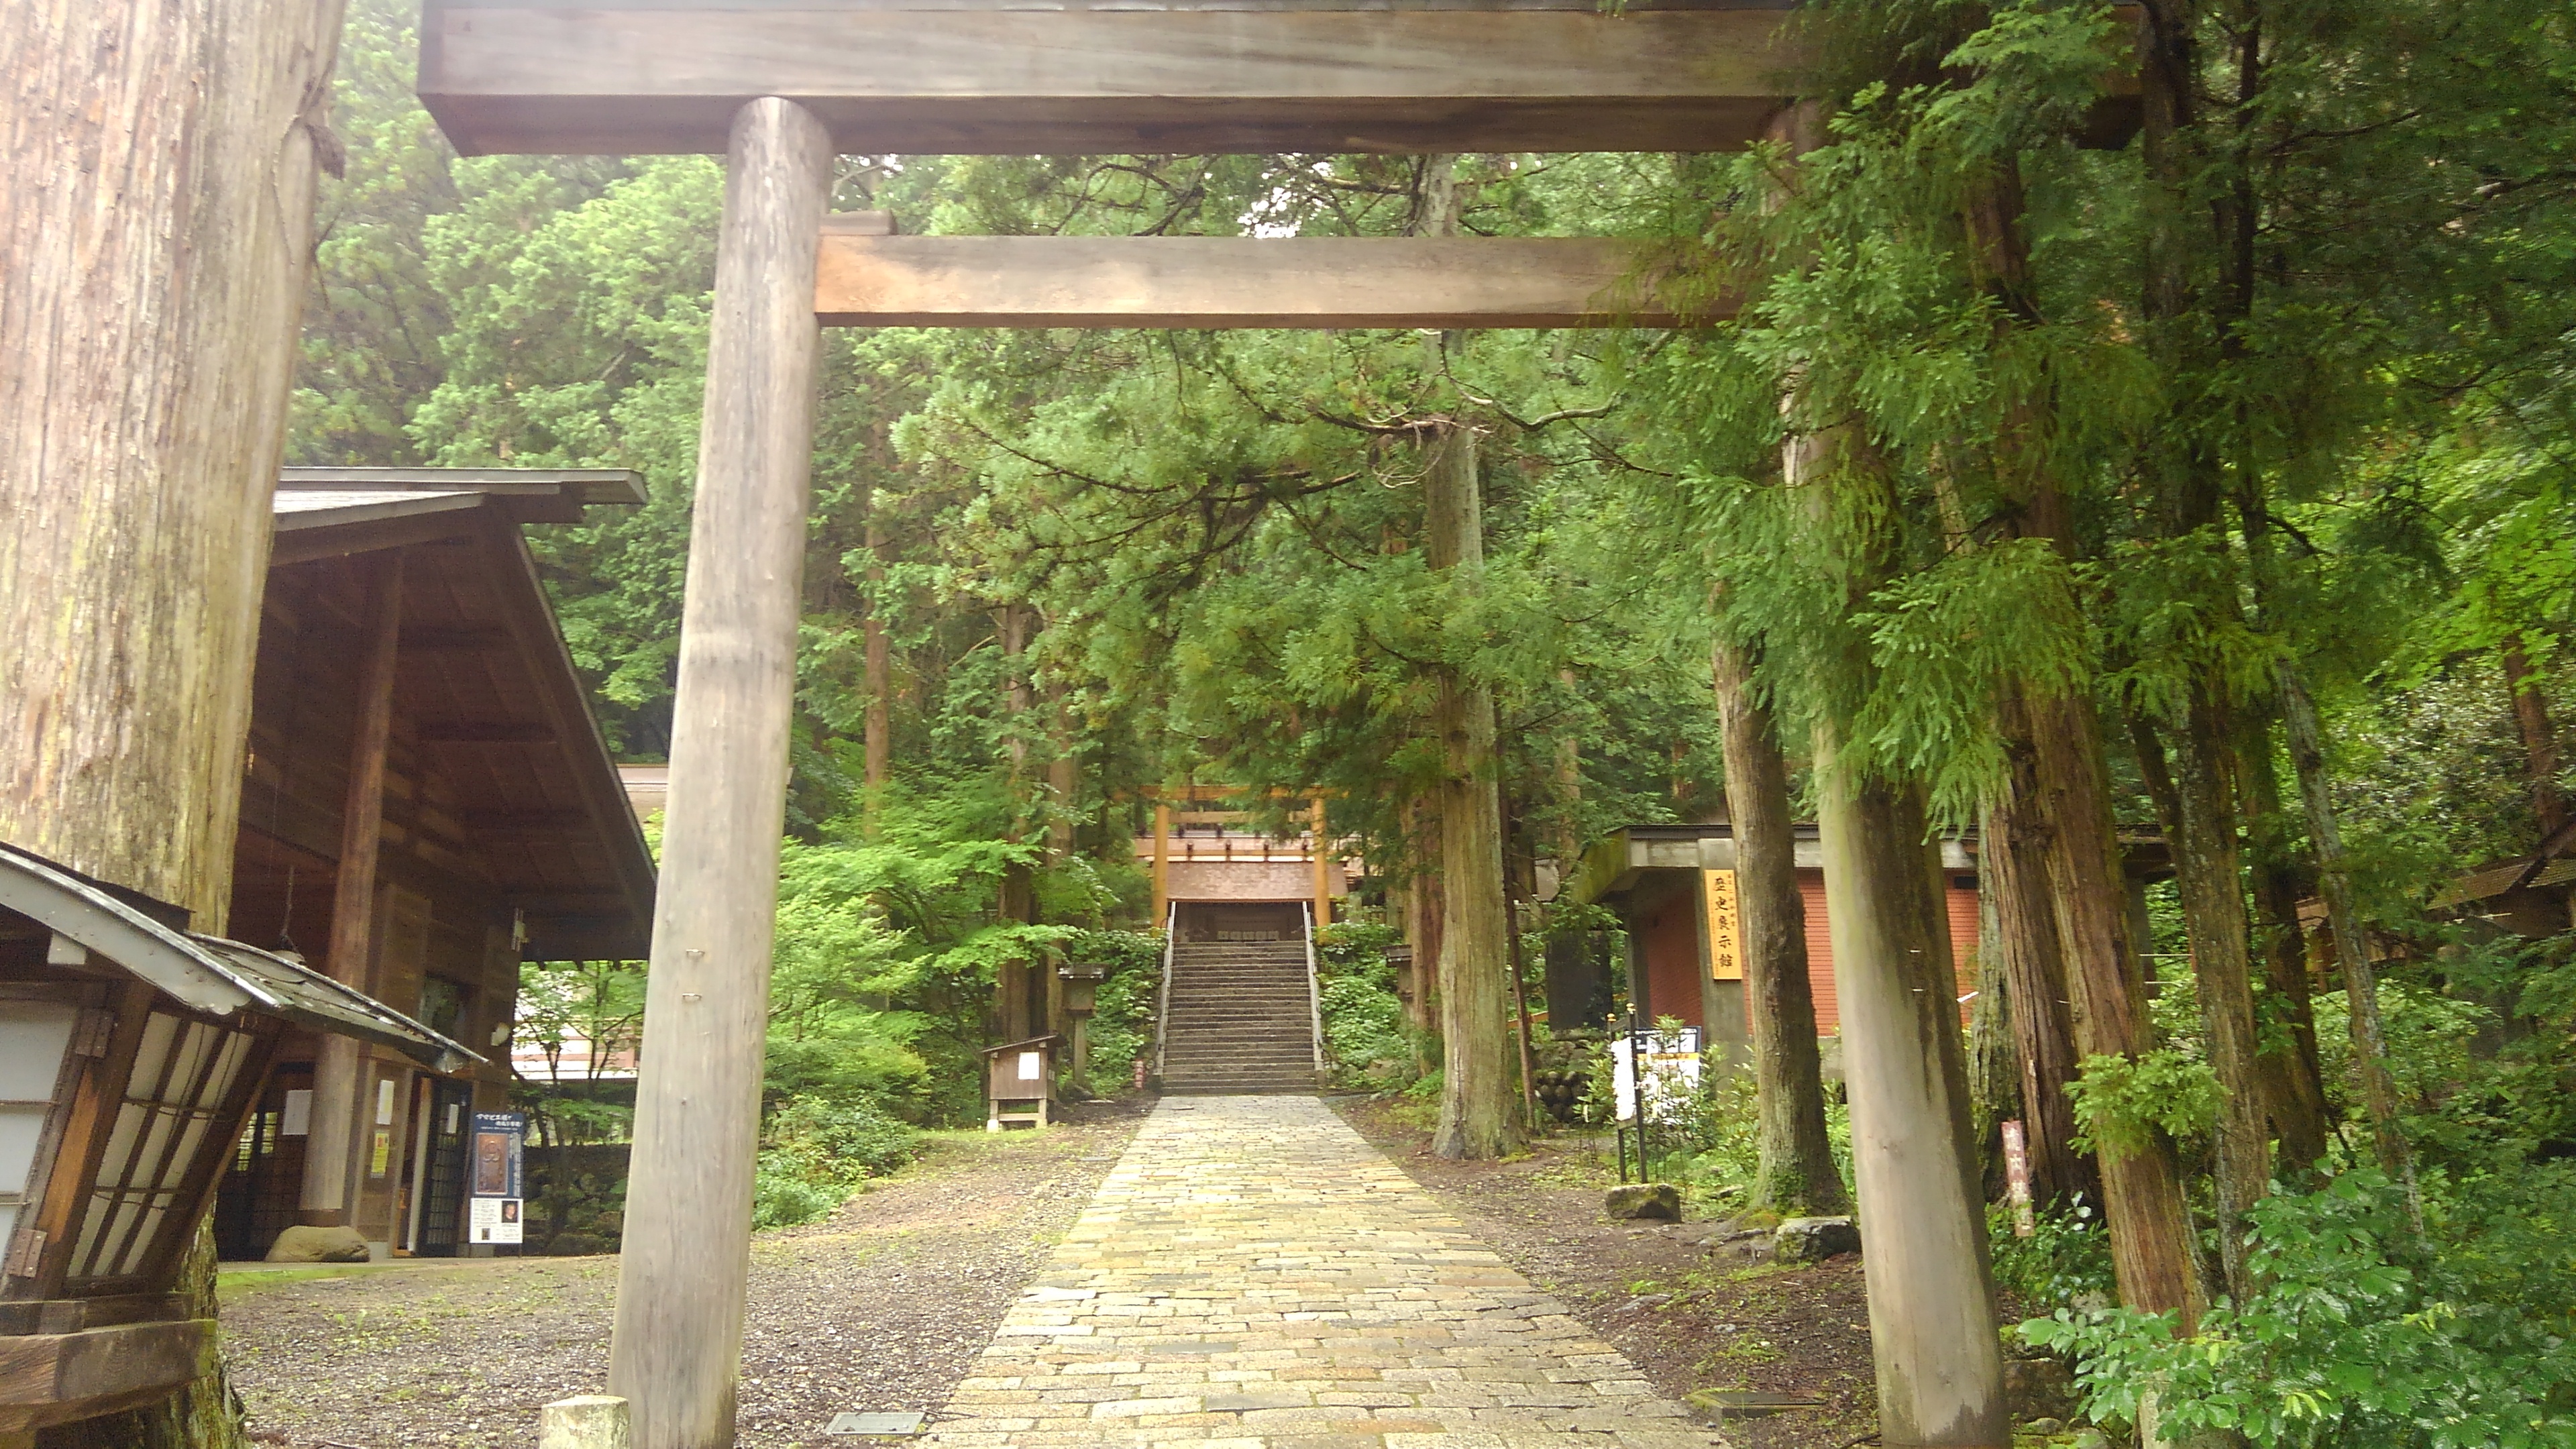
x=328, y=1151
x=1162, y=862
x=1323, y=868
x=678, y=1344
x=1922, y=1227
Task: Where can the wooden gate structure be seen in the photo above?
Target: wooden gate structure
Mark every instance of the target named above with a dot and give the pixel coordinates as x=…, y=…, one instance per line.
x=782, y=86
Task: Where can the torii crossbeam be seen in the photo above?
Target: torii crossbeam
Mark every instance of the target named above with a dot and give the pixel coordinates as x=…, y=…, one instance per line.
x=1196, y=77
x=878, y=280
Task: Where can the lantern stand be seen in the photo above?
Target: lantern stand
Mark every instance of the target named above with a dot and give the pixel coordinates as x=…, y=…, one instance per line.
x=1081, y=998
x=131, y=1052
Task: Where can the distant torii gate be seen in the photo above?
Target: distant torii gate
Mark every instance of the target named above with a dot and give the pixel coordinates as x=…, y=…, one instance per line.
x=781, y=86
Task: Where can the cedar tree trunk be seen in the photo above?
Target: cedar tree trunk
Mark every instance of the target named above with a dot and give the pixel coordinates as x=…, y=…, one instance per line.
x=159, y=166
x=1479, y=1114
x=1796, y=1174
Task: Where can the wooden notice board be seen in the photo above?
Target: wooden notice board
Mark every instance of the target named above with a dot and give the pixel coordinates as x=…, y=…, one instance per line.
x=1725, y=926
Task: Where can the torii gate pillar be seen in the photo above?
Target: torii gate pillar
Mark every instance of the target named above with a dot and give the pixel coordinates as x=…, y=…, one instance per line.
x=678, y=1346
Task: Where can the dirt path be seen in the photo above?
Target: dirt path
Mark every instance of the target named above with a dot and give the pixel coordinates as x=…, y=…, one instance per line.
x=1670, y=1296
x=882, y=1306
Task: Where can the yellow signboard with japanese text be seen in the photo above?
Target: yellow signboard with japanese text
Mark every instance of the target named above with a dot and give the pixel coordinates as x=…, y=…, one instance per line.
x=1725, y=927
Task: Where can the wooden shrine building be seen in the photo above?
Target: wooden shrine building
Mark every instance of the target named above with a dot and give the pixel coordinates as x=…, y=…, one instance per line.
x=427, y=803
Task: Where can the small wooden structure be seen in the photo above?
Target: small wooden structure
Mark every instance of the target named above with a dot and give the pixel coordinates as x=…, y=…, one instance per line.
x=427, y=804
x=131, y=1051
x=1019, y=1082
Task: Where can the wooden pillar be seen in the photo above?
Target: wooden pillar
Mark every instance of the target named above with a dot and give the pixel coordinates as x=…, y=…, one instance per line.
x=1922, y=1223
x=1162, y=862
x=1323, y=869
x=338, y=1073
x=678, y=1344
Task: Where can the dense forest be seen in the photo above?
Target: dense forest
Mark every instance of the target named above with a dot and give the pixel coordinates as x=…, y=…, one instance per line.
x=2186, y=456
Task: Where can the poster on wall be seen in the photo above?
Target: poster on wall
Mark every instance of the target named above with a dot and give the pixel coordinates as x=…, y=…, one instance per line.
x=494, y=1181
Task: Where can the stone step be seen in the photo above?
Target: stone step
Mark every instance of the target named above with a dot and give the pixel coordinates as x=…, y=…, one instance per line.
x=1203, y=1050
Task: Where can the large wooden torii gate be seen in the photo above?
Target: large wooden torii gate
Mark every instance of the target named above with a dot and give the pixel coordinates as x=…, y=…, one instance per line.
x=781, y=87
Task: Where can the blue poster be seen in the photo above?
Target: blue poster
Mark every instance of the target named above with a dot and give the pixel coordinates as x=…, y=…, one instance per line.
x=498, y=1141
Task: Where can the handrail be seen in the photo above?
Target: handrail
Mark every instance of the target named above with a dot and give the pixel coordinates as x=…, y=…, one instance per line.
x=1314, y=993
x=1163, y=1003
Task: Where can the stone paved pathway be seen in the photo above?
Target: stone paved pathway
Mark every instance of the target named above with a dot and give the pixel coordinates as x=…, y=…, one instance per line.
x=1253, y=1275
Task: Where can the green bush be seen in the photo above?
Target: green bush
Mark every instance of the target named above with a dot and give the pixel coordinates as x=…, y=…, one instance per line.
x=1366, y=1036
x=2065, y=1260
x=816, y=1152
x=1122, y=1021
x=2364, y=1335
x=782, y=1198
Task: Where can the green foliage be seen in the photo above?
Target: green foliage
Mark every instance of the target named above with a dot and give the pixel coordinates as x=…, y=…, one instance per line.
x=2065, y=1262
x=1715, y=1143
x=1367, y=1039
x=1122, y=1022
x=815, y=1153
x=2122, y=1104
x=2361, y=1336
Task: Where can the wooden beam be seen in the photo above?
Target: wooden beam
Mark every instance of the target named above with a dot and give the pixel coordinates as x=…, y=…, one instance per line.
x=486, y=732
x=1203, y=281
x=980, y=80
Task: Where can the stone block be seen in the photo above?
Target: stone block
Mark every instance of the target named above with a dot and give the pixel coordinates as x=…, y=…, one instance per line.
x=1813, y=1240
x=319, y=1245
x=2039, y=1388
x=587, y=1421
x=1643, y=1200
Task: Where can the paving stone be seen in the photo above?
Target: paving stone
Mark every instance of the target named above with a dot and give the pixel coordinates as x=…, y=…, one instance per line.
x=1253, y=1275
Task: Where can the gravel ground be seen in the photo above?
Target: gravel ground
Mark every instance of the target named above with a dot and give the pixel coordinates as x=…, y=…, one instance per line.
x=882, y=1306
x=1681, y=1301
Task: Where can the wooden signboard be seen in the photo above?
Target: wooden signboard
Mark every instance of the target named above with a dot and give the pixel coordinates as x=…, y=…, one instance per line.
x=1725, y=926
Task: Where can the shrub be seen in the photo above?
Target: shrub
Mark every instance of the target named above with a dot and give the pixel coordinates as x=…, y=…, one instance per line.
x=2066, y=1258
x=1363, y=1018
x=2364, y=1334
x=817, y=1152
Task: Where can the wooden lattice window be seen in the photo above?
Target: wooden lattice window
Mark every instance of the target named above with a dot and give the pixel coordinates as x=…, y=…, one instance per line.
x=180, y=1089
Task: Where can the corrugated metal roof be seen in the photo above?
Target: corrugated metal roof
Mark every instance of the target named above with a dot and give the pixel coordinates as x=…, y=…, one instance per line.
x=302, y=508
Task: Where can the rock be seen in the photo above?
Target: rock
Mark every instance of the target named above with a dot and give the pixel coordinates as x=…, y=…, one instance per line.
x=1813, y=1240
x=1641, y=1305
x=2039, y=1388
x=1643, y=1200
x=589, y=1421
x=575, y=1245
x=2092, y=1439
x=2045, y=1426
x=319, y=1245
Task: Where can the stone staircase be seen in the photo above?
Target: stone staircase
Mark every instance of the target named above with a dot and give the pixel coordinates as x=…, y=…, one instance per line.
x=1239, y=1019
